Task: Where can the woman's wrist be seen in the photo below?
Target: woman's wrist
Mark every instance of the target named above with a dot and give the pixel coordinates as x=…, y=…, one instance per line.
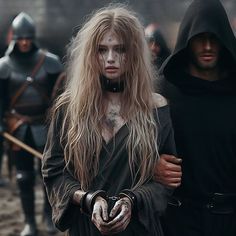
x=88, y=199
x=126, y=193
x=77, y=196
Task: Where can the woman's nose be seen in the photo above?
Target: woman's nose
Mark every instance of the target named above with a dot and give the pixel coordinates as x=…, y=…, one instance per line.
x=110, y=56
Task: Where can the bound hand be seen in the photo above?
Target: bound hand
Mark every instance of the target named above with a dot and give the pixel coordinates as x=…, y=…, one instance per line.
x=120, y=215
x=100, y=215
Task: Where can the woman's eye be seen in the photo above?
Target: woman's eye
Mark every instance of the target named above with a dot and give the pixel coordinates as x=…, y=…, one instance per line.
x=102, y=50
x=120, y=50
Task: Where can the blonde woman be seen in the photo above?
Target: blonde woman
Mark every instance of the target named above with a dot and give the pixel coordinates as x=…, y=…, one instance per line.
x=107, y=132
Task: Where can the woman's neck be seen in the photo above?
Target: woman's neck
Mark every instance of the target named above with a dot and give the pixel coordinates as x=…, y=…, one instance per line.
x=113, y=98
x=112, y=85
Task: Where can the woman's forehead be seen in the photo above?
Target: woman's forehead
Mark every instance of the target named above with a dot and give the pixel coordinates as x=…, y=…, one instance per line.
x=111, y=37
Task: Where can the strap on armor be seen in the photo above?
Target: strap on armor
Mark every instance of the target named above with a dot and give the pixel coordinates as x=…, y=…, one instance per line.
x=28, y=81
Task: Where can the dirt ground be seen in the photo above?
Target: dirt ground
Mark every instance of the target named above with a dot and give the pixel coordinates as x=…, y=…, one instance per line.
x=11, y=217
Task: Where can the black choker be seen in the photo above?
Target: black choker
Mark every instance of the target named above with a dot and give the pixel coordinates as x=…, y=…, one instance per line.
x=111, y=86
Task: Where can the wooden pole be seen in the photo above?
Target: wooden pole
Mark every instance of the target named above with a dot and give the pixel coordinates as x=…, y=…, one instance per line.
x=22, y=145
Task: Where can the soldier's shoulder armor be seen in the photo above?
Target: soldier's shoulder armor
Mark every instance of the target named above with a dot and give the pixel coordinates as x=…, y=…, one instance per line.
x=4, y=67
x=52, y=63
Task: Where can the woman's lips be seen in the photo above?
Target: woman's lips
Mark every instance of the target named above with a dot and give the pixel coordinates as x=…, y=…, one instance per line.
x=111, y=69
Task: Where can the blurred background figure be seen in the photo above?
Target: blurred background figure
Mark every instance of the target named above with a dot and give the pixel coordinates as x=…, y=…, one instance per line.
x=157, y=44
x=27, y=77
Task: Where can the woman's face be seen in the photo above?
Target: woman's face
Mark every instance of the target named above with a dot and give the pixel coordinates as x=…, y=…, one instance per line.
x=112, y=56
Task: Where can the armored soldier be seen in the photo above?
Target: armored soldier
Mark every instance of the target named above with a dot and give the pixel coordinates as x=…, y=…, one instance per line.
x=28, y=75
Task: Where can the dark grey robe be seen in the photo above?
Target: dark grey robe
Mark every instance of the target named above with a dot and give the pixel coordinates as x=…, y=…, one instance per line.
x=114, y=176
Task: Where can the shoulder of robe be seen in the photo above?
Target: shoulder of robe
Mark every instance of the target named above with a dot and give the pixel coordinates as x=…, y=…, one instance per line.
x=159, y=100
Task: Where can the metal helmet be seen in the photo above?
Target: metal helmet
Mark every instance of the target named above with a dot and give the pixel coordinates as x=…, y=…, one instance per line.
x=23, y=27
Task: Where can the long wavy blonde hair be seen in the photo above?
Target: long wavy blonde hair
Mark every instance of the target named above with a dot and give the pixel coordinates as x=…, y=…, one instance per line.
x=83, y=100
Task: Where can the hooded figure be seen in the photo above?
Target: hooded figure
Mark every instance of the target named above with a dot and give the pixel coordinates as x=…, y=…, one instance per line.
x=27, y=78
x=199, y=80
x=158, y=47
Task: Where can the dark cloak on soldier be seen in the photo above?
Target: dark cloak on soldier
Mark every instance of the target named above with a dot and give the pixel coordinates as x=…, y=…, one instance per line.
x=204, y=119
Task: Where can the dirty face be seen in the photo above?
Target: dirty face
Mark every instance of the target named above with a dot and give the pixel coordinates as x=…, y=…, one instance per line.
x=112, y=56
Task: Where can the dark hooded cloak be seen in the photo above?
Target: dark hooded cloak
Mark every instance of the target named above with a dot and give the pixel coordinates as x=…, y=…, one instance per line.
x=203, y=112
x=158, y=38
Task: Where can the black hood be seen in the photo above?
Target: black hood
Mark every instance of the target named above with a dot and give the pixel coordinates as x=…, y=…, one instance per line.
x=159, y=39
x=201, y=16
